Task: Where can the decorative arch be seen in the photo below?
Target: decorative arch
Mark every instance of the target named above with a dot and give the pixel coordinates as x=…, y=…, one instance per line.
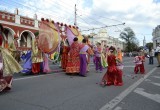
x=31, y=34
x=10, y=30
x=9, y=36
x=26, y=37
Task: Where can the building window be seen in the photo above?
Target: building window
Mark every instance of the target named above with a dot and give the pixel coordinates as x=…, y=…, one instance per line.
x=29, y=22
x=13, y=18
x=8, y=17
x=21, y=20
x=25, y=21
x=33, y=23
x=3, y=16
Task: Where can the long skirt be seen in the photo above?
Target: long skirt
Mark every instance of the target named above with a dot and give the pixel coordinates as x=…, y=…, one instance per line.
x=83, y=64
x=5, y=83
x=8, y=66
x=64, y=60
x=113, y=76
x=73, y=65
x=27, y=66
x=36, y=68
x=46, y=68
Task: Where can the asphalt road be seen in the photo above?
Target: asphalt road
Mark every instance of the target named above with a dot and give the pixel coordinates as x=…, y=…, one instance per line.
x=58, y=91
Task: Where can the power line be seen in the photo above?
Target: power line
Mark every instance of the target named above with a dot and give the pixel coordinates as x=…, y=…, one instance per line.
x=104, y=27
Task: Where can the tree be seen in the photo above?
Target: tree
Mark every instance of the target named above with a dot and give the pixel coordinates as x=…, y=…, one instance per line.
x=149, y=45
x=129, y=38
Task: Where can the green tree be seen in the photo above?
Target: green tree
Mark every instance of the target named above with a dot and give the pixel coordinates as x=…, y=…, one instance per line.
x=149, y=45
x=129, y=38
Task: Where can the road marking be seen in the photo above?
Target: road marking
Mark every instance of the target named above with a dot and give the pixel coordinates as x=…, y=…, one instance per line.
x=158, y=77
x=118, y=108
x=129, y=66
x=157, y=84
x=154, y=97
x=30, y=77
x=110, y=105
x=148, y=80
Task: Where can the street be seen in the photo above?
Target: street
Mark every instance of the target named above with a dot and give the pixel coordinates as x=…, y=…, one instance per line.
x=58, y=91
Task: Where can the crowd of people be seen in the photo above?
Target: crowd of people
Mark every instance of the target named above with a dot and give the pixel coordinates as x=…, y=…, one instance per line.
x=75, y=59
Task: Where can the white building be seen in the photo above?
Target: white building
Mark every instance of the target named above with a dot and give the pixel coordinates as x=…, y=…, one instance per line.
x=156, y=36
x=103, y=36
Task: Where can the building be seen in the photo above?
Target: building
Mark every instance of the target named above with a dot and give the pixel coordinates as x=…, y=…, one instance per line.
x=22, y=26
x=156, y=36
x=103, y=37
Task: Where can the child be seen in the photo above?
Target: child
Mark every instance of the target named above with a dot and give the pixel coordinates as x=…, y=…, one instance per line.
x=139, y=63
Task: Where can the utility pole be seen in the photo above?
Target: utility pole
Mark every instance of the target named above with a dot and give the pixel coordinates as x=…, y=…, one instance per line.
x=75, y=16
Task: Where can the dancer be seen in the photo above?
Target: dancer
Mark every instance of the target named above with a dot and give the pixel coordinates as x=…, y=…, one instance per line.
x=27, y=66
x=37, y=57
x=64, y=57
x=98, y=57
x=83, y=58
x=73, y=64
x=45, y=65
x=119, y=58
x=139, y=63
x=112, y=76
x=8, y=65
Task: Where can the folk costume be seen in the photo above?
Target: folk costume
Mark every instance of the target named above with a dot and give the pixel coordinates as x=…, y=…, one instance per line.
x=8, y=66
x=73, y=63
x=112, y=76
x=139, y=64
x=37, y=57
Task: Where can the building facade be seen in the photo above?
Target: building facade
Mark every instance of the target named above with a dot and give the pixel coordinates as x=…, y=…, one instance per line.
x=156, y=36
x=21, y=26
x=103, y=37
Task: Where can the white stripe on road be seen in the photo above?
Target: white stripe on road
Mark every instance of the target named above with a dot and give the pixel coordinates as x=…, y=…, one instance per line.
x=157, y=84
x=118, y=108
x=17, y=79
x=156, y=77
x=154, y=97
x=110, y=105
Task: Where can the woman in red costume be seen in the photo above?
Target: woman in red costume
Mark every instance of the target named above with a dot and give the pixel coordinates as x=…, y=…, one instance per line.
x=65, y=50
x=73, y=64
x=113, y=76
x=8, y=65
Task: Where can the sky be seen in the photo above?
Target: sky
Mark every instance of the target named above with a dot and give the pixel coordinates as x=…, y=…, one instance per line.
x=142, y=16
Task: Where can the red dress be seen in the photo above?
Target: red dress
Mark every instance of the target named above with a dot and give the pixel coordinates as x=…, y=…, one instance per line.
x=64, y=57
x=140, y=67
x=73, y=63
x=113, y=75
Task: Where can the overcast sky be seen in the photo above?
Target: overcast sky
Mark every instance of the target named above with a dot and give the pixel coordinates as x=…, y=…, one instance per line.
x=141, y=15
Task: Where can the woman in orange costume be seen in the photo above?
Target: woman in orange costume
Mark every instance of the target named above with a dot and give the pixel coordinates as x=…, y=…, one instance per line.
x=73, y=64
x=65, y=50
x=118, y=80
